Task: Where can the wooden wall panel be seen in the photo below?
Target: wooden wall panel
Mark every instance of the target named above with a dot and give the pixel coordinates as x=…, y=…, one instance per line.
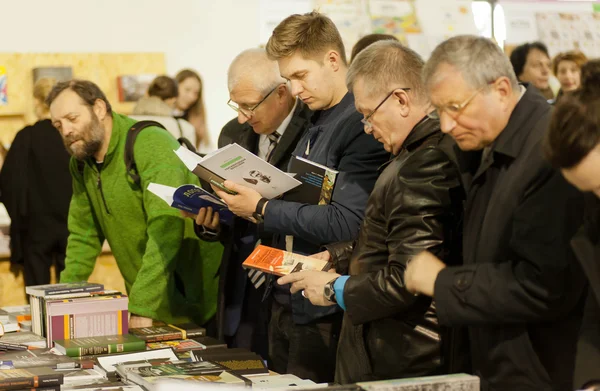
x=101, y=68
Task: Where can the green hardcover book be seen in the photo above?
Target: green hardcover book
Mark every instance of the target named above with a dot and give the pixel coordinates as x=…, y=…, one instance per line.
x=109, y=344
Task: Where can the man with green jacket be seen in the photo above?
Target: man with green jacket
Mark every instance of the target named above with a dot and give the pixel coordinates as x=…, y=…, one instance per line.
x=169, y=274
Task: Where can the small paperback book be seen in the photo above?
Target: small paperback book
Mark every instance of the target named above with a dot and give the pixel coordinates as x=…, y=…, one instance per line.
x=191, y=198
x=164, y=332
x=318, y=182
x=40, y=377
x=38, y=358
x=179, y=345
x=281, y=263
x=234, y=163
x=108, y=363
x=61, y=289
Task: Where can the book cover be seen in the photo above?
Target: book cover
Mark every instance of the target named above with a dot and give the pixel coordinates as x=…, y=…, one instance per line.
x=210, y=343
x=11, y=379
x=239, y=165
x=190, y=330
x=191, y=198
x=108, y=344
x=238, y=362
x=179, y=345
x=38, y=358
x=15, y=314
x=60, y=289
x=455, y=382
x=157, y=333
x=9, y=327
x=25, y=338
x=86, y=317
x=281, y=263
x=318, y=182
x=108, y=363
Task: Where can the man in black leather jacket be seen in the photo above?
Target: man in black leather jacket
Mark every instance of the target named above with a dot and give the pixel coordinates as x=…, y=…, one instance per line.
x=416, y=205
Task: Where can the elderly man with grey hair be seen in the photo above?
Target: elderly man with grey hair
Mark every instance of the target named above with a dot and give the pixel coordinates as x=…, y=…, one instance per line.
x=416, y=205
x=520, y=289
x=269, y=123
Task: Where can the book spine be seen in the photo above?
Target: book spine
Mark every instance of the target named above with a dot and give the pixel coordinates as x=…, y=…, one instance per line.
x=161, y=337
x=31, y=382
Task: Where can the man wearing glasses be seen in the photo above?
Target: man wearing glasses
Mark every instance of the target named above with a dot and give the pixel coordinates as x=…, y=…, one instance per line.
x=311, y=55
x=520, y=289
x=269, y=124
x=416, y=205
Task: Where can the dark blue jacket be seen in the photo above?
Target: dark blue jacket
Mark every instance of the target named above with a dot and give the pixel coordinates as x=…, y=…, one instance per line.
x=339, y=143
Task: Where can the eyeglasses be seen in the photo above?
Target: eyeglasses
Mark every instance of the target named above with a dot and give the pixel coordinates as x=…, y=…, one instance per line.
x=454, y=109
x=249, y=113
x=365, y=120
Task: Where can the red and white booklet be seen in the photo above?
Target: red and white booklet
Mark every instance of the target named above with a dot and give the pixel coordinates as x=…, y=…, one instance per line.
x=274, y=261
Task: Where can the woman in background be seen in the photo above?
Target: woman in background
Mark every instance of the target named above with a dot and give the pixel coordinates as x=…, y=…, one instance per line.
x=190, y=106
x=531, y=63
x=158, y=106
x=35, y=187
x=567, y=69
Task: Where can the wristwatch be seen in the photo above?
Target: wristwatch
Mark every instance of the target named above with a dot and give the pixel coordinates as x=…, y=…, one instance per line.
x=258, y=213
x=329, y=292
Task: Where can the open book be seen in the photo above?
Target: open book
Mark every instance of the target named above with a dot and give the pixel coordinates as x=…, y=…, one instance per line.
x=281, y=263
x=240, y=166
x=191, y=198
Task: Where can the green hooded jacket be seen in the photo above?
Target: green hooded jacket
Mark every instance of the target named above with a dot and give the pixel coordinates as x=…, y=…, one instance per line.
x=170, y=274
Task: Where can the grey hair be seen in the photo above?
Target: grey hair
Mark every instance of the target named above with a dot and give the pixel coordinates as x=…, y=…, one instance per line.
x=254, y=65
x=384, y=65
x=479, y=60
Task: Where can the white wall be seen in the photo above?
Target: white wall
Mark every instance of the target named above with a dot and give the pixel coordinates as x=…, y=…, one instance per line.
x=200, y=34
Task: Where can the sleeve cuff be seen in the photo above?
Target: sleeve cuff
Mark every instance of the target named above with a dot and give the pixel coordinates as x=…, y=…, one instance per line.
x=338, y=288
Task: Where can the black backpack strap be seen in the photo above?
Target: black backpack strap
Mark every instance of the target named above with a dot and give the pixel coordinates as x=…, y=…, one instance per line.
x=129, y=143
x=179, y=126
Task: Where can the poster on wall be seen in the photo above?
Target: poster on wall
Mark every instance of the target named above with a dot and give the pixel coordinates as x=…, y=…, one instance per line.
x=349, y=16
x=272, y=12
x=133, y=87
x=562, y=32
x=393, y=17
x=3, y=87
x=57, y=73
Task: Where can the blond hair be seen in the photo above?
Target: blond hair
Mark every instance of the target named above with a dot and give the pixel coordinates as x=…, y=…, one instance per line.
x=42, y=88
x=311, y=34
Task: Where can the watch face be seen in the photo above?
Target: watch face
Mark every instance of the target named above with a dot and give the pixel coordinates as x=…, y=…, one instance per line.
x=328, y=292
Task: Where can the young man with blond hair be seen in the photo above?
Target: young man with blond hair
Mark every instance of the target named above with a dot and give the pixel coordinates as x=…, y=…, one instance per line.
x=311, y=56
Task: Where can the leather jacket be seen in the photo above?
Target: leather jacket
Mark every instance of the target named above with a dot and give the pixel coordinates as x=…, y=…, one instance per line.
x=416, y=205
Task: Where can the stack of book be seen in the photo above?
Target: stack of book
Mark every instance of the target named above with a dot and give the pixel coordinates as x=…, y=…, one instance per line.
x=77, y=310
x=15, y=318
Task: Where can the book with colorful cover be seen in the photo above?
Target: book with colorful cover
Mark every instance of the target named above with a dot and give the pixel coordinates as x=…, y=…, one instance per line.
x=238, y=361
x=108, y=363
x=107, y=344
x=164, y=332
x=38, y=358
x=237, y=164
x=279, y=262
x=60, y=289
x=14, y=379
x=179, y=345
x=318, y=182
x=191, y=198
x=87, y=317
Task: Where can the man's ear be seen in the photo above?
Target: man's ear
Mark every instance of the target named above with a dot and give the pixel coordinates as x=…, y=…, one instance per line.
x=99, y=109
x=403, y=101
x=333, y=59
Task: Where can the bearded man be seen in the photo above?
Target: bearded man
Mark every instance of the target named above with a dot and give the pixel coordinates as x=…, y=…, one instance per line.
x=170, y=275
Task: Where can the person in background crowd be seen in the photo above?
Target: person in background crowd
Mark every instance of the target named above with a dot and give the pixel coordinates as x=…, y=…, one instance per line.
x=367, y=40
x=520, y=290
x=170, y=275
x=311, y=55
x=35, y=187
x=158, y=106
x=573, y=146
x=190, y=106
x=269, y=123
x=567, y=69
x=416, y=205
x=531, y=63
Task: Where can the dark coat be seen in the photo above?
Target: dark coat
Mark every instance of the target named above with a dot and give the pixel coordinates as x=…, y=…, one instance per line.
x=239, y=239
x=520, y=289
x=339, y=143
x=416, y=205
x=586, y=245
x=35, y=186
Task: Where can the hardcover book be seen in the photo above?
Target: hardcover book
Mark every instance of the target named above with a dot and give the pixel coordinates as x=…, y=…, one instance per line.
x=191, y=198
x=456, y=382
x=236, y=361
x=179, y=345
x=164, y=332
x=38, y=358
x=234, y=163
x=109, y=344
x=61, y=289
x=281, y=263
x=318, y=182
x=14, y=379
x=108, y=363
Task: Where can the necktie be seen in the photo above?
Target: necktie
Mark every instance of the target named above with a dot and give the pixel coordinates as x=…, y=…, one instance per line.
x=257, y=277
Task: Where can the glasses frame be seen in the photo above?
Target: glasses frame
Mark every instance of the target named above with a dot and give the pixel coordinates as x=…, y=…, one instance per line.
x=251, y=112
x=455, y=110
x=366, y=121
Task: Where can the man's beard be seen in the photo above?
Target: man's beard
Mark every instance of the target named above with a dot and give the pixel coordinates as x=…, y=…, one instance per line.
x=91, y=137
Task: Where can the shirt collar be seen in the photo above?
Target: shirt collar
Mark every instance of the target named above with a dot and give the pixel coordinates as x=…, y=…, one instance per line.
x=281, y=129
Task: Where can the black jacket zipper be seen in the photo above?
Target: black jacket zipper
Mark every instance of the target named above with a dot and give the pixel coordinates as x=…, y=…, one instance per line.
x=99, y=184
